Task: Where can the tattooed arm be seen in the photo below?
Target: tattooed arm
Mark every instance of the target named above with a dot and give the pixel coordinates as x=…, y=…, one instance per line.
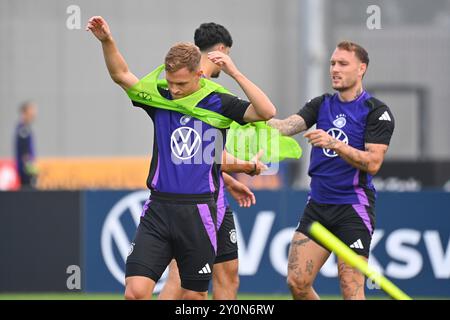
x=369, y=160
x=301, y=121
x=289, y=126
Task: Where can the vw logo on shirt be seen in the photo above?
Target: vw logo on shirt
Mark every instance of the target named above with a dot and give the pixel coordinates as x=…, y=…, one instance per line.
x=337, y=134
x=185, y=143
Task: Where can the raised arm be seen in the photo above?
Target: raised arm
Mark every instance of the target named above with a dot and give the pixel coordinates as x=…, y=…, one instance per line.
x=290, y=126
x=117, y=67
x=261, y=108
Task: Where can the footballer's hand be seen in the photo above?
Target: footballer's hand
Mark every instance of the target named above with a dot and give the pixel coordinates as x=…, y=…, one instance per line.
x=259, y=167
x=321, y=139
x=242, y=194
x=223, y=61
x=99, y=28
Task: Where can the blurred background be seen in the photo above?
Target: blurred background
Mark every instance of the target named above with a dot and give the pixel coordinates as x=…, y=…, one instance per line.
x=91, y=149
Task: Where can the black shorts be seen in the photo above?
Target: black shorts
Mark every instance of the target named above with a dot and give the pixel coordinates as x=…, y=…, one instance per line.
x=227, y=248
x=183, y=227
x=352, y=224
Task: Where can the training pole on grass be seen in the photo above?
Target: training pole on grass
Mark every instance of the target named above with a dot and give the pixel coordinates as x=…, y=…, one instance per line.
x=332, y=243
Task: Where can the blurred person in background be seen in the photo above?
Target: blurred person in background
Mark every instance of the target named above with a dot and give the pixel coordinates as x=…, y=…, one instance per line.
x=24, y=146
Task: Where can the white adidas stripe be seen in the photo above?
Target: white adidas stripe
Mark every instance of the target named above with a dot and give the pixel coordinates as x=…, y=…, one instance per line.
x=357, y=244
x=385, y=116
x=205, y=269
x=360, y=244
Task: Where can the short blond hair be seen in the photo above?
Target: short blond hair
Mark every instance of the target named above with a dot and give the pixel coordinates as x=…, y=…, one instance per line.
x=183, y=54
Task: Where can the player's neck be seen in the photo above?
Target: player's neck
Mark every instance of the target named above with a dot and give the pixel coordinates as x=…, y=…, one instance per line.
x=351, y=94
x=206, y=65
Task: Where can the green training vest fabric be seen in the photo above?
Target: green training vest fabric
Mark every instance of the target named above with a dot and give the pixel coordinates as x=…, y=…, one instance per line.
x=258, y=135
x=146, y=92
x=245, y=141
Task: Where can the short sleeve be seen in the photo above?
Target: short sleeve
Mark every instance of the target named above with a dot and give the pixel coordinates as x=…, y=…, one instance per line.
x=380, y=125
x=233, y=107
x=149, y=110
x=310, y=111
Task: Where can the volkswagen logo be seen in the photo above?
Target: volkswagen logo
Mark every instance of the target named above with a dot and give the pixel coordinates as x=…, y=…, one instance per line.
x=185, y=143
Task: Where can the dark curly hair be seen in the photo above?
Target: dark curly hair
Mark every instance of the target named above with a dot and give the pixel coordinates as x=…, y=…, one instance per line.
x=209, y=34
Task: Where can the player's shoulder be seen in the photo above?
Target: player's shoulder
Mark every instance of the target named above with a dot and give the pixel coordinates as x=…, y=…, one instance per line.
x=227, y=98
x=375, y=104
x=378, y=110
x=215, y=99
x=317, y=101
x=216, y=102
x=224, y=96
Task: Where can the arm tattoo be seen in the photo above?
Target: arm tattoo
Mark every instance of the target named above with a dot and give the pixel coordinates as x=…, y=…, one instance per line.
x=357, y=159
x=330, y=143
x=354, y=157
x=289, y=126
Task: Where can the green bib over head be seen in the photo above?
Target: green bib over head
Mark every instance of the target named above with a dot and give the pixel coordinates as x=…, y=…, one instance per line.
x=258, y=135
x=146, y=92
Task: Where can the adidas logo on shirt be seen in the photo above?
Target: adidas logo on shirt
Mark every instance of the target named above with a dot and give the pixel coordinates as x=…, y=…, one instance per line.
x=357, y=244
x=206, y=269
x=385, y=116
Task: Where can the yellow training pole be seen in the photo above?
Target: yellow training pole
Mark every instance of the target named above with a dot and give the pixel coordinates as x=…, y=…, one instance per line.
x=330, y=241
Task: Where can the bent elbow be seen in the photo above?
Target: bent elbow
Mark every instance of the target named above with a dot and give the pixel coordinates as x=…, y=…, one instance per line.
x=117, y=79
x=373, y=169
x=269, y=114
x=272, y=114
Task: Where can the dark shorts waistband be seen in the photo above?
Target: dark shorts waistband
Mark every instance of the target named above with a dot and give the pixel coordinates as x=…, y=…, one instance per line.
x=181, y=198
